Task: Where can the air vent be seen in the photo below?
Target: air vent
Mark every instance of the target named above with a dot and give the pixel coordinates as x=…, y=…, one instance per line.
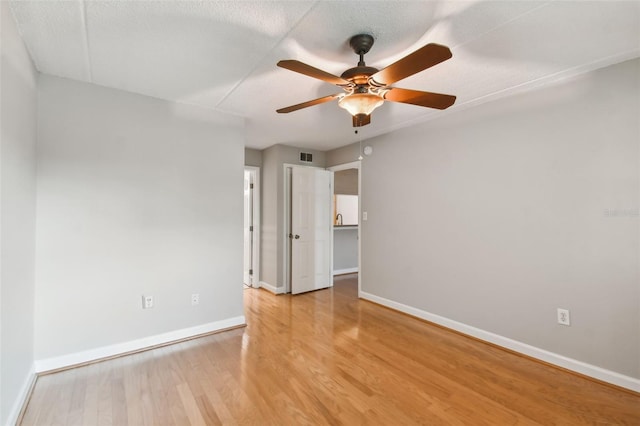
x=305, y=157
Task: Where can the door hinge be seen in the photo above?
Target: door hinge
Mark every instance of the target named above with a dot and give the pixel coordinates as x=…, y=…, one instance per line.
x=251, y=228
x=250, y=186
x=250, y=271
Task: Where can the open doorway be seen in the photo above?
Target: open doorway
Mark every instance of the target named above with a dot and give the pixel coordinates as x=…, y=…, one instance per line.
x=346, y=224
x=251, y=264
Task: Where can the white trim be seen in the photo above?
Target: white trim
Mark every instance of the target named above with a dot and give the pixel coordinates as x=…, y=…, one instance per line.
x=256, y=224
x=345, y=166
x=345, y=271
x=272, y=289
x=286, y=225
x=523, y=348
x=72, y=359
x=22, y=397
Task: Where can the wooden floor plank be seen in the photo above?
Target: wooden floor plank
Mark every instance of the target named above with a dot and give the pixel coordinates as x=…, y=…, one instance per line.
x=326, y=357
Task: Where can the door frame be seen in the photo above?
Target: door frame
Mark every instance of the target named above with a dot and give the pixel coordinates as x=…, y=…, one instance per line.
x=286, y=217
x=346, y=166
x=255, y=171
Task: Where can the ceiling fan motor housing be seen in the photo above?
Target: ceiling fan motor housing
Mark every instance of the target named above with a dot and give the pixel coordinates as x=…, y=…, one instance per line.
x=359, y=74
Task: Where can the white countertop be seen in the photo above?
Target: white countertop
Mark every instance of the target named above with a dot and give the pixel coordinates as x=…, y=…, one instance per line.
x=336, y=227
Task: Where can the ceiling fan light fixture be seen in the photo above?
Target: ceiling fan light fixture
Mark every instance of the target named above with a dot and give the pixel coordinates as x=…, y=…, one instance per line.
x=360, y=103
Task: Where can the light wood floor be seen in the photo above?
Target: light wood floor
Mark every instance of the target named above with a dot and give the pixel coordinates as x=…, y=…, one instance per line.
x=326, y=358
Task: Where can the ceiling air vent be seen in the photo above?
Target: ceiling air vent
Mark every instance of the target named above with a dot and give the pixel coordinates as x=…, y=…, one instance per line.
x=305, y=157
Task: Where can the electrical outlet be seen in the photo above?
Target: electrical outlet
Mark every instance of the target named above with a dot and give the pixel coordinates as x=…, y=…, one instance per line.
x=364, y=215
x=195, y=299
x=564, y=318
x=147, y=302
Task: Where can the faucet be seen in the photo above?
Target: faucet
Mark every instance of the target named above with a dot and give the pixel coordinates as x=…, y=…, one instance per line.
x=339, y=219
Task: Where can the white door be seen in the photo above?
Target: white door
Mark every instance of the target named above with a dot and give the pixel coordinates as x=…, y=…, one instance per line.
x=311, y=229
x=248, y=229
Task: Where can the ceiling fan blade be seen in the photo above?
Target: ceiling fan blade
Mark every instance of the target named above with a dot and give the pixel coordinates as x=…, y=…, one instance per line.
x=310, y=71
x=416, y=97
x=360, y=120
x=423, y=58
x=308, y=104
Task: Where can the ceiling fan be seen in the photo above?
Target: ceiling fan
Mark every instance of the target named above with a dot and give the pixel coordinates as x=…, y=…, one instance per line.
x=366, y=88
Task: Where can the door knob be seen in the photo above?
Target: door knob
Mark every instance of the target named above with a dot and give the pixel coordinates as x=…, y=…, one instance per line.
x=297, y=236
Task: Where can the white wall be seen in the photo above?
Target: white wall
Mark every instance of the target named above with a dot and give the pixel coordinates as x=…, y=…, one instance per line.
x=135, y=196
x=269, y=218
x=345, y=181
x=497, y=215
x=252, y=157
x=17, y=213
x=345, y=250
x=343, y=155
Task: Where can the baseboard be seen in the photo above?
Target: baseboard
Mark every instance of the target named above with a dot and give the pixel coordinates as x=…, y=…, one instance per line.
x=78, y=358
x=345, y=271
x=593, y=371
x=23, y=397
x=272, y=289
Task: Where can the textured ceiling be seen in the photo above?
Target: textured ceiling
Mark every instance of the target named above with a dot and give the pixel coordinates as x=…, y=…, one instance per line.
x=223, y=55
